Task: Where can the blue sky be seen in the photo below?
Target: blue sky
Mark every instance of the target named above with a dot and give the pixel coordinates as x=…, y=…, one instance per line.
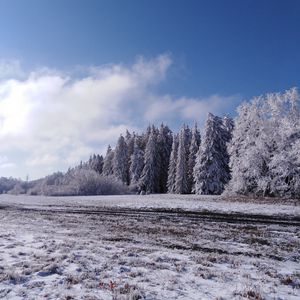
x=137, y=62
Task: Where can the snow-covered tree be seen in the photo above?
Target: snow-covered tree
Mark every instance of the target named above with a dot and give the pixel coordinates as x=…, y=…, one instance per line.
x=172, y=166
x=228, y=124
x=120, y=161
x=164, y=144
x=129, y=140
x=182, y=181
x=149, y=181
x=95, y=163
x=108, y=162
x=247, y=164
x=265, y=147
x=211, y=171
x=144, y=137
x=284, y=163
x=136, y=164
x=193, y=150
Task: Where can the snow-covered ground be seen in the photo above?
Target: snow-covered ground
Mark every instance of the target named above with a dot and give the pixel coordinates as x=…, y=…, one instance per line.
x=48, y=255
x=183, y=202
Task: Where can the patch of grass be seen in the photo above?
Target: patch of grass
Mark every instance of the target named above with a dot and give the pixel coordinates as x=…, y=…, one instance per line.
x=250, y=294
x=291, y=280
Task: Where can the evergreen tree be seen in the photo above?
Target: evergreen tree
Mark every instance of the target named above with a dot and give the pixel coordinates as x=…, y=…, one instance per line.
x=136, y=165
x=129, y=140
x=211, y=171
x=145, y=137
x=96, y=163
x=164, y=143
x=108, y=162
x=120, y=161
x=172, y=166
x=150, y=176
x=228, y=124
x=193, y=150
x=182, y=180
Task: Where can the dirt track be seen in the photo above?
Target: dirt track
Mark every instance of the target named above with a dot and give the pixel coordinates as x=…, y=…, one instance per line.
x=169, y=214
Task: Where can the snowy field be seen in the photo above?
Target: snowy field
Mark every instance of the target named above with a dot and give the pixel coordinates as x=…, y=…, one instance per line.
x=66, y=248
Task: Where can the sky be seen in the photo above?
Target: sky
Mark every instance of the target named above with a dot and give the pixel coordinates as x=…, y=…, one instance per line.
x=74, y=74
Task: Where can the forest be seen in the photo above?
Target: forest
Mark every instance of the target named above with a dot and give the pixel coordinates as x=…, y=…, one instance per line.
x=255, y=154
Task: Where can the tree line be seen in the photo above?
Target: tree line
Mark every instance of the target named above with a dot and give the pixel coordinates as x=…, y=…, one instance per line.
x=257, y=154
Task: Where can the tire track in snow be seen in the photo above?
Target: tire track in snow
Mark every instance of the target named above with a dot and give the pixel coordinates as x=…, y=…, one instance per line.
x=172, y=214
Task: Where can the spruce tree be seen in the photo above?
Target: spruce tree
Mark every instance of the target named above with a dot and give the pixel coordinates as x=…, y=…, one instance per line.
x=129, y=140
x=193, y=150
x=182, y=180
x=211, y=171
x=150, y=176
x=136, y=164
x=164, y=144
x=108, y=162
x=120, y=161
x=172, y=166
x=95, y=163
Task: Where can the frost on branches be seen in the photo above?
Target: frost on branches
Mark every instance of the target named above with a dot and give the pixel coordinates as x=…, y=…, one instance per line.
x=149, y=181
x=164, y=144
x=265, y=148
x=136, y=164
x=108, y=162
x=172, y=166
x=193, y=150
x=120, y=161
x=182, y=180
x=211, y=171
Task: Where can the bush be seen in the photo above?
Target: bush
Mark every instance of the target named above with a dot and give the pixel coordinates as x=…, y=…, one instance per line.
x=79, y=182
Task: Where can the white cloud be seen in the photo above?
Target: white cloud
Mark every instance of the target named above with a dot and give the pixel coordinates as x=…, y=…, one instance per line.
x=188, y=109
x=5, y=163
x=10, y=68
x=54, y=120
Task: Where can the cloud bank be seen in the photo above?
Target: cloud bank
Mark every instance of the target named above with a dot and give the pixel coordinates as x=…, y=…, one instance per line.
x=50, y=120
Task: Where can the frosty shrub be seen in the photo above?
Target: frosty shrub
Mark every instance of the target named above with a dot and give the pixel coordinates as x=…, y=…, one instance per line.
x=17, y=189
x=7, y=184
x=79, y=182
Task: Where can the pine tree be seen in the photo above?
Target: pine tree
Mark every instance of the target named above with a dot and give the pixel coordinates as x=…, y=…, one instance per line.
x=182, y=180
x=136, y=165
x=120, y=161
x=172, y=166
x=211, y=171
x=108, y=162
x=95, y=163
x=129, y=140
x=99, y=165
x=164, y=144
x=145, y=137
x=228, y=125
x=150, y=176
x=193, y=150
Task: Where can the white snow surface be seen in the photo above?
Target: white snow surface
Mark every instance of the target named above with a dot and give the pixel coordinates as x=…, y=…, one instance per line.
x=155, y=201
x=50, y=255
